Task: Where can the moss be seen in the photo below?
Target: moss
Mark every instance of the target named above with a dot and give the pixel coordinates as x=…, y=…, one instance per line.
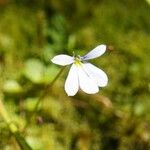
x=37, y=30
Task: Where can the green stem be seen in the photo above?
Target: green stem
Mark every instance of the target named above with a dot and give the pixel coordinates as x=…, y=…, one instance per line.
x=13, y=128
x=46, y=90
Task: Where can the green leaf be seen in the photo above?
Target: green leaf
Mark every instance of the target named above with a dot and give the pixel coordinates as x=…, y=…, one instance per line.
x=30, y=103
x=148, y=1
x=12, y=86
x=34, y=70
x=50, y=73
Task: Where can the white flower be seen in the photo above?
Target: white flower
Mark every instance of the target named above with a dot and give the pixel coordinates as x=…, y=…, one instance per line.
x=83, y=75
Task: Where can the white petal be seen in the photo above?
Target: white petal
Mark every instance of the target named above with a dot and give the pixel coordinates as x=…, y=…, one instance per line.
x=97, y=74
x=62, y=60
x=72, y=83
x=96, y=52
x=87, y=84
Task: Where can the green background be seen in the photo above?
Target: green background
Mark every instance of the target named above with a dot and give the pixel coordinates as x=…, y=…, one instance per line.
x=32, y=32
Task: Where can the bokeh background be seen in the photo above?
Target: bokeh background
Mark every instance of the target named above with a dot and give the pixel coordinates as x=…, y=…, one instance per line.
x=33, y=31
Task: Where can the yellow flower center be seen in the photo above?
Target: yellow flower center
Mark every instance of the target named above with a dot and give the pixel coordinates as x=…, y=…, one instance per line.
x=77, y=61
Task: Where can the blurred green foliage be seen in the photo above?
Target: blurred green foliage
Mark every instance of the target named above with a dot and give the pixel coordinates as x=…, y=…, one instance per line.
x=32, y=32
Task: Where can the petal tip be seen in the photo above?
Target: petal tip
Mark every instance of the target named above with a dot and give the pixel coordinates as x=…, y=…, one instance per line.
x=52, y=60
x=70, y=94
x=103, y=47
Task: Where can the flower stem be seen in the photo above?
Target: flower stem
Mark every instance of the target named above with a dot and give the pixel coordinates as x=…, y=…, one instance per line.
x=46, y=90
x=13, y=128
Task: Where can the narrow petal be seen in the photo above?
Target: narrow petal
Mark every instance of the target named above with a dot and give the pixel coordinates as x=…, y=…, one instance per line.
x=62, y=60
x=96, y=52
x=97, y=74
x=72, y=83
x=87, y=84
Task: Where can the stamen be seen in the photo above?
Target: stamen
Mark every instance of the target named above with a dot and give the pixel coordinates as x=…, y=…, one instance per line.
x=77, y=61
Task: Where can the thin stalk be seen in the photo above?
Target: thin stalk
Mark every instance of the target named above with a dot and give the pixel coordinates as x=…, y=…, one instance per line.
x=13, y=128
x=47, y=88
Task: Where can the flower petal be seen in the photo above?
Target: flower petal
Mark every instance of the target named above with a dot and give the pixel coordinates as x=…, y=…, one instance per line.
x=62, y=60
x=87, y=84
x=97, y=74
x=72, y=83
x=96, y=52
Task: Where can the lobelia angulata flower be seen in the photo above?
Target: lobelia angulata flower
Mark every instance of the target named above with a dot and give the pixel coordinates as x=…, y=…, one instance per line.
x=83, y=75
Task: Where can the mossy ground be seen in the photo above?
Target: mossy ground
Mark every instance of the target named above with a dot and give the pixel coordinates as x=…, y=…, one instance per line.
x=32, y=32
